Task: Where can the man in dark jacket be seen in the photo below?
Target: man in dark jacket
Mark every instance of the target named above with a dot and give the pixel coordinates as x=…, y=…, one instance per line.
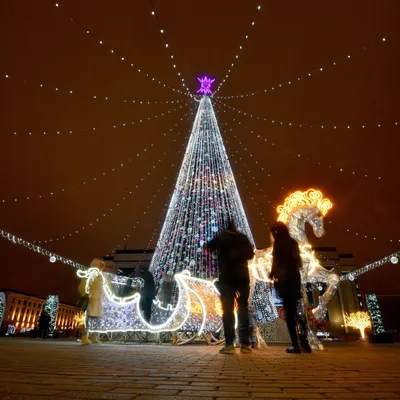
x=44, y=324
x=147, y=293
x=234, y=250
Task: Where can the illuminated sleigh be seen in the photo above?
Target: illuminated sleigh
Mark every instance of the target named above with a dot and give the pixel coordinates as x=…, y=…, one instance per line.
x=197, y=311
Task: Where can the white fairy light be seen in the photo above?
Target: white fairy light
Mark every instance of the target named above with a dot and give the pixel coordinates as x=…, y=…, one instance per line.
x=236, y=56
x=119, y=125
x=128, y=192
x=309, y=74
x=85, y=30
x=291, y=123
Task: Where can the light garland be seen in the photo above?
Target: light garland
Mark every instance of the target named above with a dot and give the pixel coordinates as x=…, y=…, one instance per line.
x=111, y=50
x=359, y=320
x=393, y=258
x=300, y=157
x=311, y=73
x=104, y=214
x=126, y=236
x=307, y=126
x=57, y=89
x=167, y=47
x=2, y=307
x=51, y=306
x=297, y=154
x=94, y=179
x=375, y=313
x=119, y=125
x=31, y=246
x=241, y=46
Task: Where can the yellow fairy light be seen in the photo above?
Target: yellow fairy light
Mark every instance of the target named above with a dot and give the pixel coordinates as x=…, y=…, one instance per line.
x=79, y=319
x=359, y=320
x=298, y=199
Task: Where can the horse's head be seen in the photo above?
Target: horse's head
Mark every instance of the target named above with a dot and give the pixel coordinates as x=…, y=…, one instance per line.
x=301, y=207
x=316, y=220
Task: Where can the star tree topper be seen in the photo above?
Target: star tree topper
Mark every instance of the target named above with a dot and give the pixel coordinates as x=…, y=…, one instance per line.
x=205, y=87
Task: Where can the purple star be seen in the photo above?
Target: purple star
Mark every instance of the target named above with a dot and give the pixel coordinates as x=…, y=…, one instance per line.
x=205, y=87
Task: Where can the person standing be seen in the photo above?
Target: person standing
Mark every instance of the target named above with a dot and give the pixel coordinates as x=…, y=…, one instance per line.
x=234, y=250
x=285, y=272
x=90, y=301
x=44, y=324
x=147, y=292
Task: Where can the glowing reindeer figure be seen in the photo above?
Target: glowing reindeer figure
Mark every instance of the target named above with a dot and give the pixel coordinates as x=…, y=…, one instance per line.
x=298, y=209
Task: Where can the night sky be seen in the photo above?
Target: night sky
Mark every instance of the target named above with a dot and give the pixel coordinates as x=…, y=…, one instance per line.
x=42, y=45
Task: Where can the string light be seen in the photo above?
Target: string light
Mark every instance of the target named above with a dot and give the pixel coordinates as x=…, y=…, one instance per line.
x=136, y=223
x=299, y=156
x=315, y=72
x=239, y=51
x=167, y=46
x=40, y=250
x=95, y=97
x=369, y=267
x=115, y=126
x=375, y=313
x=128, y=192
x=54, y=192
x=123, y=59
x=309, y=126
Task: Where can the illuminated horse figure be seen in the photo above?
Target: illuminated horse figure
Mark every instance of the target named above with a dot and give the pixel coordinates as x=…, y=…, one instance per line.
x=298, y=209
x=197, y=311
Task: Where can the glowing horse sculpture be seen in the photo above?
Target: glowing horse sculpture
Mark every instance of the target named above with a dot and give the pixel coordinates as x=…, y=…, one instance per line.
x=298, y=209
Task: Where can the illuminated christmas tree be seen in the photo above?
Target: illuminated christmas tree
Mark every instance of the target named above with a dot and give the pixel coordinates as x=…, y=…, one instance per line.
x=204, y=199
x=51, y=306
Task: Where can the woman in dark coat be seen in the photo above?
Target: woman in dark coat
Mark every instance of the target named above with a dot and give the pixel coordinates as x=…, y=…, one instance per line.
x=285, y=271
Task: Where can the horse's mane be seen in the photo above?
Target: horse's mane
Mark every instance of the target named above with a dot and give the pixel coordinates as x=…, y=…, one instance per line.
x=298, y=199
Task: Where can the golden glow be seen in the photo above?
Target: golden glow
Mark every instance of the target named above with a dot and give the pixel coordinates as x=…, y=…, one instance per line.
x=359, y=320
x=311, y=197
x=79, y=319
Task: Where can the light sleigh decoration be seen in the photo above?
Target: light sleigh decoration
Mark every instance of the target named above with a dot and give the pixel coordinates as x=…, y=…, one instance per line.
x=198, y=309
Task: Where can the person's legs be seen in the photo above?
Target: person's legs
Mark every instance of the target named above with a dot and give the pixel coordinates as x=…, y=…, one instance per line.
x=290, y=306
x=147, y=309
x=243, y=315
x=228, y=319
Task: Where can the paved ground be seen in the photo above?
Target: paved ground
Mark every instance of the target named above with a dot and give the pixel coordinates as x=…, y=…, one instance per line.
x=32, y=370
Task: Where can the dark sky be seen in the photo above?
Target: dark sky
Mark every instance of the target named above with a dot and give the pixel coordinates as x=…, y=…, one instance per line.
x=40, y=44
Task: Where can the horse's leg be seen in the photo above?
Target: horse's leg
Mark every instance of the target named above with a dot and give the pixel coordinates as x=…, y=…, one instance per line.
x=332, y=280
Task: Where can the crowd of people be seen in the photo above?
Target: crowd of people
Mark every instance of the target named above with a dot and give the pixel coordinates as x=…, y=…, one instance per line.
x=233, y=250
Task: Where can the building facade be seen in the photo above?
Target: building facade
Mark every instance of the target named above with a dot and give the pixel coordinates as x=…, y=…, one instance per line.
x=23, y=311
x=347, y=298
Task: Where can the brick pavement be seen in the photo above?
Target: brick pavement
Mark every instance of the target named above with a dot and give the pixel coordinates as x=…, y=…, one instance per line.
x=33, y=369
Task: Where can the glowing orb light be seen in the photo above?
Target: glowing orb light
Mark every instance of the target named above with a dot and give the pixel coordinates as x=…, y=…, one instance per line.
x=52, y=259
x=394, y=260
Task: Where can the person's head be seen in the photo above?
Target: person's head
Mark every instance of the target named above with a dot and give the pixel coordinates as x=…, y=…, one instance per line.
x=231, y=225
x=279, y=231
x=97, y=263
